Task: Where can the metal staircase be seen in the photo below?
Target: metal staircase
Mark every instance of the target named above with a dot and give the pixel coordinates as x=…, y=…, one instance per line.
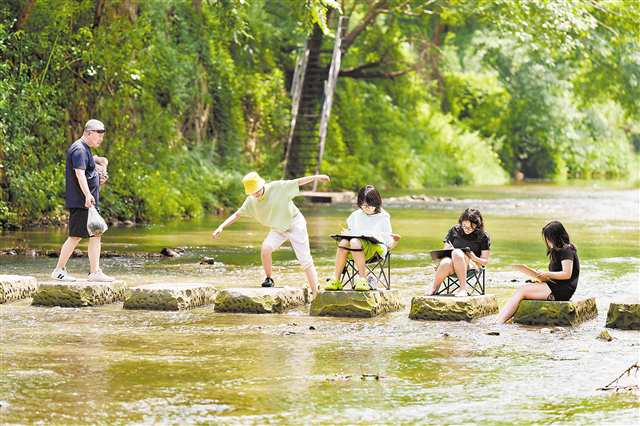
x=312, y=90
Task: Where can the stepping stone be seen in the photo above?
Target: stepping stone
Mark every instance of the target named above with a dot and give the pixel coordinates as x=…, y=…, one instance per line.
x=449, y=308
x=542, y=312
x=360, y=304
x=625, y=316
x=259, y=300
x=170, y=297
x=78, y=294
x=16, y=287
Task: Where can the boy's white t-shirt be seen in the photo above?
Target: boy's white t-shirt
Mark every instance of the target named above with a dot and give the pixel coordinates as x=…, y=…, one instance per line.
x=275, y=209
x=371, y=225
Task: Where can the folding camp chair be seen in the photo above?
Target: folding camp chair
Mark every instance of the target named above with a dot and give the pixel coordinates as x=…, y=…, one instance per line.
x=378, y=267
x=475, y=283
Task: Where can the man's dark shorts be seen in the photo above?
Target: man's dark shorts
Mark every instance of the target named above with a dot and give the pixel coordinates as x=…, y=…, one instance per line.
x=78, y=223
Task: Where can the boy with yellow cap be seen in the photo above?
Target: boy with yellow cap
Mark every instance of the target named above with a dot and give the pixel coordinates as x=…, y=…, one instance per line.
x=271, y=204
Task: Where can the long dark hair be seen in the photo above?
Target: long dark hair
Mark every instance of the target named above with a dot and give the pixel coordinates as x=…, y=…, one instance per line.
x=557, y=235
x=370, y=195
x=473, y=216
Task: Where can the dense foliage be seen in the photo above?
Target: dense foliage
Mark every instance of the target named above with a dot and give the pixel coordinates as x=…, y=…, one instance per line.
x=196, y=93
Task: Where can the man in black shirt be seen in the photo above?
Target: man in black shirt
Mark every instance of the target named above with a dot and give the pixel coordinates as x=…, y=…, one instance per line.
x=84, y=175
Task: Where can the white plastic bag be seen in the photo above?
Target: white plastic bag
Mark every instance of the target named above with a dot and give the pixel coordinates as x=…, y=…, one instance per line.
x=96, y=225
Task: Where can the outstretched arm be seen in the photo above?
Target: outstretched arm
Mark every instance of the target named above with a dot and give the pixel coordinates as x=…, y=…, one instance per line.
x=231, y=219
x=308, y=179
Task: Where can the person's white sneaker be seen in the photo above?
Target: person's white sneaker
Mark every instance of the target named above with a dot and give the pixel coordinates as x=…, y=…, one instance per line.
x=373, y=282
x=61, y=274
x=100, y=276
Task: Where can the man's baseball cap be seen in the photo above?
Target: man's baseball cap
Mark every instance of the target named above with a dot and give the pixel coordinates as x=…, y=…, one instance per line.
x=94, y=125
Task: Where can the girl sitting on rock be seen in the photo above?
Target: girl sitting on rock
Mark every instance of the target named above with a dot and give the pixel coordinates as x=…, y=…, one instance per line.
x=470, y=244
x=559, y=283
x=369, y=220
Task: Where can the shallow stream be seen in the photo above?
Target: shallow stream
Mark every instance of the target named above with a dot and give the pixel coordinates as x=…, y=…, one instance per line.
x=111, y=366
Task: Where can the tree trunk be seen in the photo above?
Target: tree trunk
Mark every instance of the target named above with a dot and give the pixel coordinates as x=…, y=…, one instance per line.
x=97, y=16
x=24, y=15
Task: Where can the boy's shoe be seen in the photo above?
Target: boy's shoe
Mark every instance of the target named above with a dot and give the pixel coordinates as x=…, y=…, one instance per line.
x=361, y=284
x=333, y=285
x=268, y=282
x=372, y=282
x=100, y=276
x=61, y=274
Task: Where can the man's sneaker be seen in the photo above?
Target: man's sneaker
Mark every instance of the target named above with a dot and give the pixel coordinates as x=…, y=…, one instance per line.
x=100, y=277
x=361, y=284
x=61, y=274
x=268, y=282
x=372, y=282
x=333, y=285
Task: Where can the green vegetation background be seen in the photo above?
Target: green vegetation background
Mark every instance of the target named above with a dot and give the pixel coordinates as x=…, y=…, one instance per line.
x=195, y=93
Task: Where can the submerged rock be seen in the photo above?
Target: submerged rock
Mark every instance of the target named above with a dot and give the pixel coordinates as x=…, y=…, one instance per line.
x=625, y=316
x=604, y=335
x=365, y=304
x=258, y=300
x=16, y=287
x=168, y=252
x=447, y=308
x=170, y=297
x=542, y=312
x=79, y=293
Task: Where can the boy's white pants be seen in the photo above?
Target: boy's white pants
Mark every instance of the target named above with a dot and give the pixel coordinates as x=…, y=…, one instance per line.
x=299, y=238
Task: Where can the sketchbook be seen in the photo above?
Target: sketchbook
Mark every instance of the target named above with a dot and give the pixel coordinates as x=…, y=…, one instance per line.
x=339, y=237
x=441, y=254
x=527, y=271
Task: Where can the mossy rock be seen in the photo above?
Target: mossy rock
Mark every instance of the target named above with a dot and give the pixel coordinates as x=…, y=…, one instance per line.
x=542, y=312
x=448, y=308
x=259, y=300
x=625, y=316
x=16, y=287
x=169, y=297
x=360, y=304
x=79, y=294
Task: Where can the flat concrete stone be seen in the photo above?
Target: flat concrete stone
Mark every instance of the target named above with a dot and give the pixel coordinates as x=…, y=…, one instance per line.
x=259, y=300
x=78, y=294
x=625, y=316
x=362, y=304
x=540, y=312
x=16, y=287
x=169, y=297
x=448, y=308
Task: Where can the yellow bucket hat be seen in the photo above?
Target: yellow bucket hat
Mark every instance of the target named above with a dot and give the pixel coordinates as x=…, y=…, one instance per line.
x=252, y=183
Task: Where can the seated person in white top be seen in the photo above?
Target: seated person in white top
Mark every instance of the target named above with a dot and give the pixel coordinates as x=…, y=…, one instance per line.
x=369, y=220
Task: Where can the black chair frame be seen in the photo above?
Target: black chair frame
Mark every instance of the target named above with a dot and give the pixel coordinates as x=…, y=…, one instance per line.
x=378, y=266
x=475, y=283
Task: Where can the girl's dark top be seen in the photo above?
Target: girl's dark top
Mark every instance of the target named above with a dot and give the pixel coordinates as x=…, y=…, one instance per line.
x=564, y=289
x=476, y=241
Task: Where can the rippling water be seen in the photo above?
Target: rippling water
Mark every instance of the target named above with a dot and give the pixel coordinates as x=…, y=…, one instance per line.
x=107, y=365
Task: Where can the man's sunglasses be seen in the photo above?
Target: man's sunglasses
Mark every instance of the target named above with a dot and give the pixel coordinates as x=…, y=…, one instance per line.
x=99, y=131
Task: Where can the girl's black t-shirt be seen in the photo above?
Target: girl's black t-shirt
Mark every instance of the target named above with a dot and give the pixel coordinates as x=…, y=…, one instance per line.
x=476, y=241
x=567, y=252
